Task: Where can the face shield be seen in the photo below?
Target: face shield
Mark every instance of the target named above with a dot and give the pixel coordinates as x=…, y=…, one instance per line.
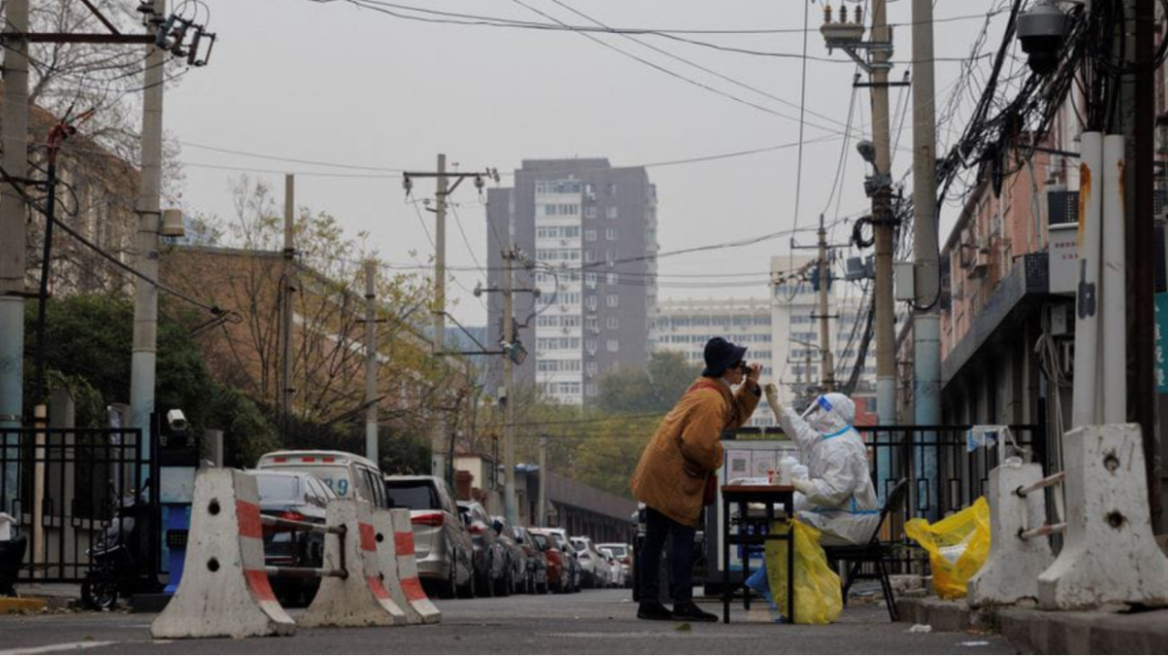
x=825, y=417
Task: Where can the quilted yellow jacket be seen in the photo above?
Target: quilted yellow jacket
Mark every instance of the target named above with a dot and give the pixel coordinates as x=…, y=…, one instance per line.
x=686, y=449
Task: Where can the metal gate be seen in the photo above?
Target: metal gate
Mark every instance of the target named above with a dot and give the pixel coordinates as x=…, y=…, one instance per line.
x=66, y=487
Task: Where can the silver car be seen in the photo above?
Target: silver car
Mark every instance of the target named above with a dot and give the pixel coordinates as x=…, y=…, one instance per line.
x=442, y=545
x=516, y=555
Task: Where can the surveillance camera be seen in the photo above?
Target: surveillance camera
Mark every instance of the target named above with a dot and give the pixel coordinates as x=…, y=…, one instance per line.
x=176, y=420
x=867, y=151
x=1042, y=29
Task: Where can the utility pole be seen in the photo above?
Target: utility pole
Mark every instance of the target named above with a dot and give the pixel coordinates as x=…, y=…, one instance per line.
x=509, y=385
x=438, y=444
x=926, y=328
x=827, y=360
x=13, y=234
x=287, y=290
x=371, y=446
x=144, y=356
x=883, y=219
x=849, y=35
x=543, y=476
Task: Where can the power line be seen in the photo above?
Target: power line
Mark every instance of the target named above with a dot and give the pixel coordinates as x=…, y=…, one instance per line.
x=802, y=109
x=669, y=72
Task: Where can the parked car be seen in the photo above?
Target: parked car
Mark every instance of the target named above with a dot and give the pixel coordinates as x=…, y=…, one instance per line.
x=624, y=556
x=571, y=562
x=537, y=562
x=490, y=555
x=299, y=497
x=558, y=572
x=615, y=568
x=594, y=569
x=348, y=475
x=516, y=556
x=442, y=544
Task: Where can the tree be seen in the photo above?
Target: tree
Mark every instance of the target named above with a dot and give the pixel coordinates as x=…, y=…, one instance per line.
x=88, y=340
x=653, y=389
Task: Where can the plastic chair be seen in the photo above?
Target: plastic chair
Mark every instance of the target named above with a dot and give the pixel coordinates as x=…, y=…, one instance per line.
x=874, y=552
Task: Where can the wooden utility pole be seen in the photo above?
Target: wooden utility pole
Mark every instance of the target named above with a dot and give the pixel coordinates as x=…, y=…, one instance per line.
x=288, y=288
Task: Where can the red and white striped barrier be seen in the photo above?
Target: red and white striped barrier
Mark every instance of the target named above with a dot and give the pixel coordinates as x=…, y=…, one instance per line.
x=360, y=598
x=224, y=590
x=407, y=569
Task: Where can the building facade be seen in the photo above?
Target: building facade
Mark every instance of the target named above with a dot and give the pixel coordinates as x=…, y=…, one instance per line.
x=588, y=232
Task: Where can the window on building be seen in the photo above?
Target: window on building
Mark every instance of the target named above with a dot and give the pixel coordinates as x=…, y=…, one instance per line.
x=610, y=189
x=612, y=277
x=592, y=302
x=610, y=234
x=613, y=345
x=590, y=389
x=589, y=235
x=590, y=212
x=610, y=212
x=591, y=368
x=612, y=300
x=591, y=323
x=612, y=323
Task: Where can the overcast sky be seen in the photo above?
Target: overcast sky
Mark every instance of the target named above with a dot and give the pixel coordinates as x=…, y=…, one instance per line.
x=332, y=82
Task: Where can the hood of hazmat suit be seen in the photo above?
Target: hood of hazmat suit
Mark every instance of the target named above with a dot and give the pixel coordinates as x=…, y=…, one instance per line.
x=843, y=505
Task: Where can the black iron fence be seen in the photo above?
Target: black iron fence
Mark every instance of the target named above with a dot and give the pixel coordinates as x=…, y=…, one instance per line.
x=947, y=471
x=69, y=489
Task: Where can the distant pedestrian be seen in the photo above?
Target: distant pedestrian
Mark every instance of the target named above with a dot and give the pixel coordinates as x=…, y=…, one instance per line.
x=677, y=469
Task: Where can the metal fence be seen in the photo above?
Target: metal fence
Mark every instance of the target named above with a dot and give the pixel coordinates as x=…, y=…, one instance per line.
x=66, y=487
x=945, y=474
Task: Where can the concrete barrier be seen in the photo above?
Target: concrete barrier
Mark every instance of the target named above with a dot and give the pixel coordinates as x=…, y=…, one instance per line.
x=407, y=568
x=224, y=590
x=1109, y=554
x=387, y=560
x=360, y=598
x=1011, y=571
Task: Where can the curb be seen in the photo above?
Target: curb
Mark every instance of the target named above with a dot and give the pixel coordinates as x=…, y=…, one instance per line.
x=1033, y=631
x=10, y=605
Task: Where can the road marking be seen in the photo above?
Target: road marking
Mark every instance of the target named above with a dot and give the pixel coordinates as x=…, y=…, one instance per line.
x=56, y=649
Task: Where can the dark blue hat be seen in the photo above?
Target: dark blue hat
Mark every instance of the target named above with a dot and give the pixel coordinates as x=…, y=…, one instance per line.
x=720, y=355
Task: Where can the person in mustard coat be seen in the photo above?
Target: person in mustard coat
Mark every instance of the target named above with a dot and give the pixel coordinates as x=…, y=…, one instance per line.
x=671, y=477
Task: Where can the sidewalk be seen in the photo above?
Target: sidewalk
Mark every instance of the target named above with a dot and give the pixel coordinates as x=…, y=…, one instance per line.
x=1035, y=631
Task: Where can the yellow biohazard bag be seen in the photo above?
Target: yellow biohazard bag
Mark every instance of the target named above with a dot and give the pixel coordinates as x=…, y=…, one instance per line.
x=818, y=597
x=958, y=546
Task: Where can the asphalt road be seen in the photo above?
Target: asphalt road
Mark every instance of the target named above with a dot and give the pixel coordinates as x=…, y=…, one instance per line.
x=591, y=622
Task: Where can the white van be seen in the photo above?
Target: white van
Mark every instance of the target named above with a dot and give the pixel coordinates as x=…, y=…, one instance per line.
x=348, y=475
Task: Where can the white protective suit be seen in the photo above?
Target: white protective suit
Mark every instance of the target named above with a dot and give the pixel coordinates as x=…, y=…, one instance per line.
x=841, y=501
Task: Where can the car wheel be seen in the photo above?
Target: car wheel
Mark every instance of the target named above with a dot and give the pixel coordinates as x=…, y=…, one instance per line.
x=99, y=590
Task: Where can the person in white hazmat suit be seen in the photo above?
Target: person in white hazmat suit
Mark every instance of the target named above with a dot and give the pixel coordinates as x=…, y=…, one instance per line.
x=836, y=496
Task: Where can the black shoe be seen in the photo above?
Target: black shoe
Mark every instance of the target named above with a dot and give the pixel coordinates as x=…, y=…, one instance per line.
x=689, y=612
x=653, y=610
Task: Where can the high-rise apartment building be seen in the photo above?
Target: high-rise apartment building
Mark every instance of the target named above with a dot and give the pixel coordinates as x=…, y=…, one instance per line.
x=590, y=233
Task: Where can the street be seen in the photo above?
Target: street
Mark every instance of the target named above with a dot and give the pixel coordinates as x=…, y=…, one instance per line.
x=592, y=622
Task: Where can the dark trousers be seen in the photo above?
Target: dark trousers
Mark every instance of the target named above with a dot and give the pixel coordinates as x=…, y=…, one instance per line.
x=658, y=527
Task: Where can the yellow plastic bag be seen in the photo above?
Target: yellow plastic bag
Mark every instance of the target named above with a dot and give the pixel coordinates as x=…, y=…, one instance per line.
x=818, y=597
x=958, y=546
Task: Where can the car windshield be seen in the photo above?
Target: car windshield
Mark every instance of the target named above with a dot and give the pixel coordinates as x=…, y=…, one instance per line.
x=541, y=541
x=617, y=550
x=336, y=477
x=579, y=545
x=415, y=495
x=278, y=488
